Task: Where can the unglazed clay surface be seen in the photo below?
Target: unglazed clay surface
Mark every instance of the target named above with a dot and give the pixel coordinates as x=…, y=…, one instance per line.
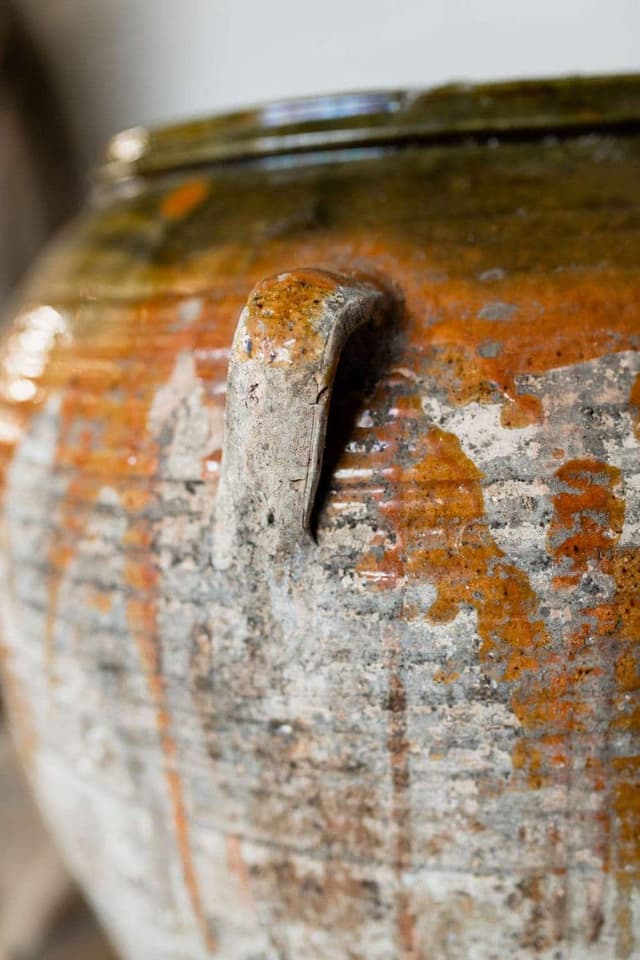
x=414, y=736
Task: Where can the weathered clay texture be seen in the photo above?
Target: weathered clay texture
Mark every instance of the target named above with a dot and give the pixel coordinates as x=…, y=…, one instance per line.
x=415, y=736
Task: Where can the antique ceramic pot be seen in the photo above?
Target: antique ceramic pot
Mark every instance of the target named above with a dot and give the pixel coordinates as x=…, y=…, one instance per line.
x=345, y=673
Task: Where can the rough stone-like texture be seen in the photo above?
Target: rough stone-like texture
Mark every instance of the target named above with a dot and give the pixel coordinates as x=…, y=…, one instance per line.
x=416, y=736
x=283, y=364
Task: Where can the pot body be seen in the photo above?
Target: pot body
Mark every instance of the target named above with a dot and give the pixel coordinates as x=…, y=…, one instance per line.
x=415, y=735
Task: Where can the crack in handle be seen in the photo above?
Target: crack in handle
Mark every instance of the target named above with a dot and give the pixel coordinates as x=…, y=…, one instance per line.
x=283, y=362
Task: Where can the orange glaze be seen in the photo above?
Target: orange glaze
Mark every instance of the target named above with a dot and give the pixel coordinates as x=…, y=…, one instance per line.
x=538, y=322
x=281, y=317
x=103, y=441
x=634, y=401
x=182, y=201
x=429, y=494
x=603, y=646
x=591, y=488
x=434, y=528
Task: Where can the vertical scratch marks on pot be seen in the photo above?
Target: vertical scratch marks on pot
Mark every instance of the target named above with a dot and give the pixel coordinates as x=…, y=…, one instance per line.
x=624, y=567
x=399, y=753
x=586, y=523
x=634, y=402
x=72, y=517
x=142, y=622
x=602, y=669
x=435, y=510
x=104, y=440
x=24, y=357
x=385, y=567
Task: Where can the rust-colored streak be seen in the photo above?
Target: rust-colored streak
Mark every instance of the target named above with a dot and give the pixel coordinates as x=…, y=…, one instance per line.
x=98, y=445
x=104, y=441
x=435, y=509
x=73, y=515
x=620, y=623
x=586, y=524
x=624, y=566
x=603, y=647
x=182, y=201
x=587, y=517
x=142, y=623
x=238, y=866
x=634, y=403
x=438, y=532
x=398, y=746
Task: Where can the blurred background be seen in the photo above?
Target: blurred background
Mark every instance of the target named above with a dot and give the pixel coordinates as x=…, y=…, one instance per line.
x=118, y=63
x=73, y=72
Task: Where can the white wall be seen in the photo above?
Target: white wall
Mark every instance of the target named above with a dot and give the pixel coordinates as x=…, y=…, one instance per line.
x=120, y=63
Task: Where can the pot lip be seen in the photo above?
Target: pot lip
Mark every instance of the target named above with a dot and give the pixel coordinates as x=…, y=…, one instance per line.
x=516, y=109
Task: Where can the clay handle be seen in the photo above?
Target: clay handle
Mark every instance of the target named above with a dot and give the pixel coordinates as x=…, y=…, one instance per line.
x=283, y=362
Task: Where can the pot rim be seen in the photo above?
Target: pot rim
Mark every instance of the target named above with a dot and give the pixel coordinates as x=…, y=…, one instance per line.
x=516, y=110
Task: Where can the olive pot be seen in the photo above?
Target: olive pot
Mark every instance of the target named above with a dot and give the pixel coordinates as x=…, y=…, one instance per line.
x=321, y=520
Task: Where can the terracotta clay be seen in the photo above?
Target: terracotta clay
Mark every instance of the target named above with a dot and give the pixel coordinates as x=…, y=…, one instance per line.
x=354, y=677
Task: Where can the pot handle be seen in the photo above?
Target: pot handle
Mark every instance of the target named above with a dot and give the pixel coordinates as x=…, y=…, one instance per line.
x=283, y=362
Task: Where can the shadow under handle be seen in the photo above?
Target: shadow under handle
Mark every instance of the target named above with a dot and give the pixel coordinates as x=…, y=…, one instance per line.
x=284, y=357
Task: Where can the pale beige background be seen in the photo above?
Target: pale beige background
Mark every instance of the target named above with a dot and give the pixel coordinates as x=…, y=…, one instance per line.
x=123, y=62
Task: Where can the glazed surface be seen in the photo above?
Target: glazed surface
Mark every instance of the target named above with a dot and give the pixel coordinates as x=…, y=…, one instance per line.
x=419, y=739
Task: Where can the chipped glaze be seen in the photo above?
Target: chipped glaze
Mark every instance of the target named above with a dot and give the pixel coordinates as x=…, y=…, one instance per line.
x=417, y=737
